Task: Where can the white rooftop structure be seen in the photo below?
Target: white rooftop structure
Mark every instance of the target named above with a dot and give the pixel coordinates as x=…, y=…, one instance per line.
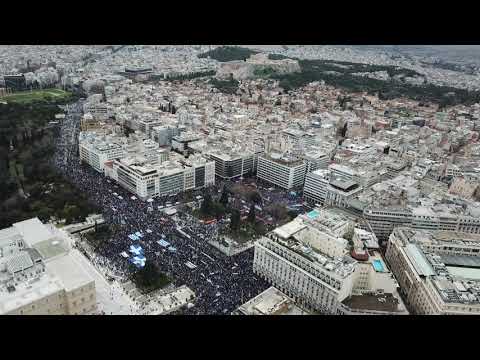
x=271, y=302
x=33, y=231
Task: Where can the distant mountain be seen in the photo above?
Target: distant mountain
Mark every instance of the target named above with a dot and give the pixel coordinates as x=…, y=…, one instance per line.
x=446, y=53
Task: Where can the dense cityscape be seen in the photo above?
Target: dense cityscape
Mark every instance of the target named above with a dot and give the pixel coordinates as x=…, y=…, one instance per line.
x=238, y=180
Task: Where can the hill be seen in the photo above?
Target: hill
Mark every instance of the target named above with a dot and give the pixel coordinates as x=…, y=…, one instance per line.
x=228, y=53
x=361, y=78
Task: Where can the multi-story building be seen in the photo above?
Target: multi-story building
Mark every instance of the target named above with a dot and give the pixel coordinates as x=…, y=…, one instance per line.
x=88, y=123
x=38, y=274
x=383, y=221
x=147, y=125
x=315, y=281
x=308, y=260
x=316, y=160
x=15, y=82
x=146, y=179
x=298, y=137
x=96, y=151
x=438, y=271
x=99, y=110
x=321, y=188
x=180, y=142
x=283, y=171
x=231, y=165
x=163, y=135
x=316, y=185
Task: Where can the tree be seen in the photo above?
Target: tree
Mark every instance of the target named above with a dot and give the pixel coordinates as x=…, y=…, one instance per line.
x=150, y=278
x=206, y=204
x=224, y=197
x=256, y=197
x=251, y=214
x=127, y=131
x=235, y=220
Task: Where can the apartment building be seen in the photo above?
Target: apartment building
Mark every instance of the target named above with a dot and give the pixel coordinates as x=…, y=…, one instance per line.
x=99, y=110
x=383, y=221
x=308, y=259
x=316, y=159
x=282, y=170
x=147, y=125
x=96, y=151
x=438, y=271
x=163, y=135
x=146, y=179
x=321, y=188
x=231, y=165
x=315, y=281
x=298, y=137
x=38, y=274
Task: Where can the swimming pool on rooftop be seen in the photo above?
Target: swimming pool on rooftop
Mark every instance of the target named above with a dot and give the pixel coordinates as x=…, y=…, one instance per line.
x=313, y=214
x=378, y=266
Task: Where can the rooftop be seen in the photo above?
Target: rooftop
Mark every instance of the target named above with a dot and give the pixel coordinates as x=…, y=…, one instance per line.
x=271, y=302
x=459, y=282
x=374, y=302
x=33, y=231
x=69, y=272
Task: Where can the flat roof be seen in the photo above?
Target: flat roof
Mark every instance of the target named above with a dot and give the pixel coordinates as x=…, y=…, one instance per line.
x=33, y=231
x=69, y=271
x=289, y=229
x=419, y=261
x=51, y=248
x=343, y=184
x=26, y=293
x=461, y=260
x=271, y=302
x=376, y=302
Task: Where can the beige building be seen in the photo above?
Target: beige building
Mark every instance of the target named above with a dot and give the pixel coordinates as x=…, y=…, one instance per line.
x=38, y=276
x=270, y=302
x=309, y=261
x=438, y=271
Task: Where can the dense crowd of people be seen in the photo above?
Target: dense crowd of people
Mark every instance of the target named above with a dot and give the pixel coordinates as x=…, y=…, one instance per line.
x=220, y=283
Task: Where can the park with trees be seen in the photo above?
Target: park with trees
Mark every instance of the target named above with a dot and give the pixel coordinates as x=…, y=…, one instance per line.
x=30, y=184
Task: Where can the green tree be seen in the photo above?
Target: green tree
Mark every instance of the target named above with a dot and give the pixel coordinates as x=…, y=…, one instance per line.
x=224, y=197
x=206, y=207
x=235, y=220
x=251, y=214
x=150, y=278
x=256, y=197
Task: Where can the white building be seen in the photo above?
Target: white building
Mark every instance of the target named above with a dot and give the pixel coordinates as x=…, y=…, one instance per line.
x=95, y=150
x=285, y=172
x=309, y=262
x=321, y=188
x=270, y=302
x=146, y=179
x=383, y=221
x=438, y=271
x=38, y=276
x=231, y=165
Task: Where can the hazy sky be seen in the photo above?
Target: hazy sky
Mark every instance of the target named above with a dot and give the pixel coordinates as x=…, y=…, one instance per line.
x=468, y=53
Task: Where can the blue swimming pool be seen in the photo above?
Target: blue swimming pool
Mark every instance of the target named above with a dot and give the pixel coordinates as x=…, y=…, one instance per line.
x=377, y=265
x=313, y=214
